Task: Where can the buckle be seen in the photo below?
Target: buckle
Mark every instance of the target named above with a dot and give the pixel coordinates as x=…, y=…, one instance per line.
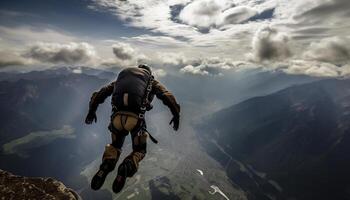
x=149, y=88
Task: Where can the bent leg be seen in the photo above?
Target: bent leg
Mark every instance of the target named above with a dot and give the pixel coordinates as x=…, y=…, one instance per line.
x=139, y=145
x=109, y=159
x=112, y=151
x=130, y=164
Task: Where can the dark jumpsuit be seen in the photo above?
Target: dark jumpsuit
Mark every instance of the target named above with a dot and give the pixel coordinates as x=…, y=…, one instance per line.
x=124, y=122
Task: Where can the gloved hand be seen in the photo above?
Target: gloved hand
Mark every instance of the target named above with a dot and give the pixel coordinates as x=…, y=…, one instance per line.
x=175, y=121
x=91, y=116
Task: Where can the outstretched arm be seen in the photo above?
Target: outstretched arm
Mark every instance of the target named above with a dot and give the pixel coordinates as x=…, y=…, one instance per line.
x=169, y=100
x=97, y=98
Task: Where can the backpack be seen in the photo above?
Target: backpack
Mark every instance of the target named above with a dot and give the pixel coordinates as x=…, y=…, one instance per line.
x=131, y=90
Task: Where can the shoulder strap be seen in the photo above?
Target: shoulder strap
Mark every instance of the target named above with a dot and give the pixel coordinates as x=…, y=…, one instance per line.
x=145, y=98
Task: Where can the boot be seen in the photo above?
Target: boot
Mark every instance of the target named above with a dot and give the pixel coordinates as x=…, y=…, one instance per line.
x=123, y=172
x=109, y=160
x=100, y=176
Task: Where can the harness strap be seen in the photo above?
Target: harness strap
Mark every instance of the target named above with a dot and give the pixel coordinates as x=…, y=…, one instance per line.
x=143, y=107
x=154, y=140
x=143, y=128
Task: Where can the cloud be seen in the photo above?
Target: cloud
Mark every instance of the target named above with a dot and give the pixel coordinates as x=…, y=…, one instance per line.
x=155, y=15
x=236, y=15
x=208, y=13
x=333, y=50
x=8, y=58
x=124, y=51
x=270, y=45
x=202, y=13
x=312, y=68
x=13, y=14
x=159, y=73
x=125, y=56
x=214, y=66
x=181, y=18
x=325, y=11
x=173, y=59
x=231, y=27
x=27, y=35
x=58, y=53
x=207, y=28
x=198, y=70
x=159, y=41
x=33, y=140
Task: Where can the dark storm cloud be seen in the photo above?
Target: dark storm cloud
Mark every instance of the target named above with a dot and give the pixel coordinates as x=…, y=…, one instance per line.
x=269, y=44
x=5, y=63
x=71, y=53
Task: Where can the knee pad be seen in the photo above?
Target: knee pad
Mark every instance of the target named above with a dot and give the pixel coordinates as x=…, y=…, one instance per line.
x=111, y=153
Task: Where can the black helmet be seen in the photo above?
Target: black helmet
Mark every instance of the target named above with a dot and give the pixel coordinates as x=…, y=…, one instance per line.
x=146, y=67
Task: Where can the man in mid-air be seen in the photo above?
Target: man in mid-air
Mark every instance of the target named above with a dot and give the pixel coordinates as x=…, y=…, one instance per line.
x=132, y=94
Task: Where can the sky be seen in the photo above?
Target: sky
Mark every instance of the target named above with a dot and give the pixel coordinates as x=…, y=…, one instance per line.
x=195, y=37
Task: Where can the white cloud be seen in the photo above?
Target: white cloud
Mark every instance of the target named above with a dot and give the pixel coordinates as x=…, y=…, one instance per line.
x=158, y=16
x=154, y=15
x=208, y=13
x=203, y=13
x=332, y=50
x=58, y=53
x=173, y=59
x=29, y=35
x=159, y=73
x=211, y=28
x=123, y=51
x=190, y=69
x=236, y=15
x=158, y=41
x=229, y=28
x=213, y=66
x=323, y=11
x=312, y=68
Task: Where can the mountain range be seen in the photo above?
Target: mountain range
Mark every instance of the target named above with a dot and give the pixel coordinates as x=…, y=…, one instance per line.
x=292, y=144
x=42, y=133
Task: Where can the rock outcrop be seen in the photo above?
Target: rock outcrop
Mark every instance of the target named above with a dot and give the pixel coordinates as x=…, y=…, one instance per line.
x=17, y=187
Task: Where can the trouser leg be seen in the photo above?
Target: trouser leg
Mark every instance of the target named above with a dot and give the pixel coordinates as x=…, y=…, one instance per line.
x=112, y=151
x=139, y=144
x=130, y=164
x=109, y=160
